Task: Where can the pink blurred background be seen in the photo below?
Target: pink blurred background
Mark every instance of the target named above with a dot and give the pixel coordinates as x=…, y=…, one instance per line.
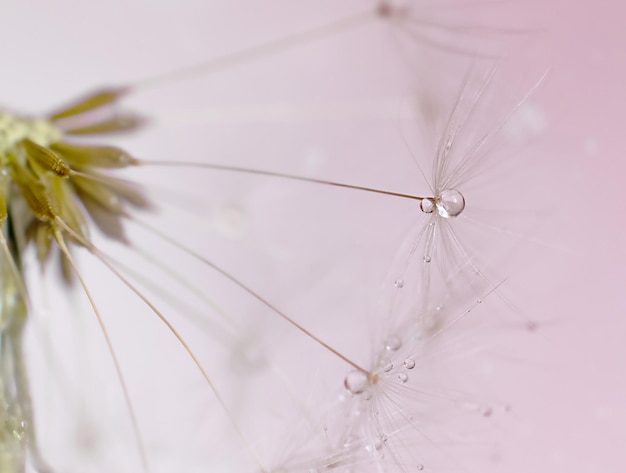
x=330, y=108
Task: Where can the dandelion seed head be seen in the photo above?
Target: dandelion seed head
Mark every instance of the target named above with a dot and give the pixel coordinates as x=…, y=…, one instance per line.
x=14, y=129
x=59, y=181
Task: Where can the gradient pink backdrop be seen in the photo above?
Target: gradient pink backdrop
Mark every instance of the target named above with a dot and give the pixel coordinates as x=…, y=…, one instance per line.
x=568, y=390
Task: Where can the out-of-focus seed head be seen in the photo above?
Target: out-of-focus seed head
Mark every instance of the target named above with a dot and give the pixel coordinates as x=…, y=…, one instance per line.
x=61, y=182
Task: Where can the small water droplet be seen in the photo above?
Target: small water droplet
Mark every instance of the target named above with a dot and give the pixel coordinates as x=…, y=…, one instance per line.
x=409, y=364
x=479, y=301
x=403, y=377
x=399, y=283
x=376, y=446
x=356, y=381
x=386, y=366
x=427, y=206
x=393, y=343
x=427, y=259
x=420, y=467
x=450, y=203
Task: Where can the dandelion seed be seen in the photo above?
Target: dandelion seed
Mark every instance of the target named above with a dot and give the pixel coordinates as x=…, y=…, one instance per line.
x=462, y=152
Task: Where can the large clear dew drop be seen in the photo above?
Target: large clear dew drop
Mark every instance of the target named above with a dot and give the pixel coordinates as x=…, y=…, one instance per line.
x=450, y=203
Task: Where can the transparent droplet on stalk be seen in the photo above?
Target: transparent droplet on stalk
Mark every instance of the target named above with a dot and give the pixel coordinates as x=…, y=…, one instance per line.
x=386, y=366
x=403, y=377
x=356, y=381
x=427, y=206
x=450, y=203
x=420, y=467
x=378, y=444
x=409, y=364
x=393, y=343
x=427, y=259
x=399, y=283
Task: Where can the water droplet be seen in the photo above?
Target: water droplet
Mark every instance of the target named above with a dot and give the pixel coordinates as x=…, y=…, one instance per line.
x=386, y=366
x=479, y=301
x=403, y=377
x=450, y=203
x=427, y=206
x=393, y=343
x=420, y=467
x=399, y=283
x=378, y=445
x=427, y=259
x=374, y=447
x=409, y=364
x=356, y=381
